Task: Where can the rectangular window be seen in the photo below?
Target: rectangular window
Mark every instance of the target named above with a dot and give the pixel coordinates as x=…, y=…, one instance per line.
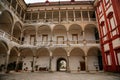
x=118, y=57
x=112, y=26
x=109, y=59
x=32, y=39
x=60, y=39
x=104, y=31
x=44, y=38
x=75, y=38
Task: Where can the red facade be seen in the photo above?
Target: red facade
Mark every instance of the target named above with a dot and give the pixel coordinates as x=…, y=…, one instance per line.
x=108, y=16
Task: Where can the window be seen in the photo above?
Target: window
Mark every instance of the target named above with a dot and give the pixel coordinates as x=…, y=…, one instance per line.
x=60, y=39
x=118, y=57
x=103, y=28
x=108, y=59
x=75, y=38
x=32, y=39
x=112, y=24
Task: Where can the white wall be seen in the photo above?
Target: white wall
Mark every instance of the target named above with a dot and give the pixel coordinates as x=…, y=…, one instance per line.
x=42, y=61
x=27, y=63
x=92, y=60
x=74, y=62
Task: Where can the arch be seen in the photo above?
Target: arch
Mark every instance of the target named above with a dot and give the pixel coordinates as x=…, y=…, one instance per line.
x=77, y=59
x=95, y=50
x=91, y=32
x=17, y=30
x=77, y=52
x=3, y=43
x=59, y=52
x=6, y=21
x=44, y=27
x=60, y=34
x=75, y=26
x=13, y=58
x=3, y=53
x=94, y=59
x=42, y=59
x=62, y=27
x=61, y=64
x=26, y=52
x=43, y=52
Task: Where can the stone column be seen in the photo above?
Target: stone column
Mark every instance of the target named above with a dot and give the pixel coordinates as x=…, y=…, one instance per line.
x=17, y=62
x=68, y=67
x=67, y=15
x=59, y=16
x=21, y=37
x=50, y=62
x=86, y=63
x=7, y=60
x=74, y=14
x=33, y=66
x=68, y=37
x=88, y=16
x=81, y=16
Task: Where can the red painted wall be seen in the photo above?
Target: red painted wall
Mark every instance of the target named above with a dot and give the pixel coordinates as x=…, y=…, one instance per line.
x=114, y=67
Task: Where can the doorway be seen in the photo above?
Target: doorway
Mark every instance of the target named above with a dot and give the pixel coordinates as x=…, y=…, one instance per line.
x=61, y=64
x=82, y=66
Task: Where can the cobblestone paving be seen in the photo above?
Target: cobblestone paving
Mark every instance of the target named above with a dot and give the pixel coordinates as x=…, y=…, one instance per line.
x=59, y=76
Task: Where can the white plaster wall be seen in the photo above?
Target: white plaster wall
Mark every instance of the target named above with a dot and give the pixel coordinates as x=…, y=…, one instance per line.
x=92, y=60
x=42, y=61
x=89, y=34
x=116, y=42
x=27, y=63
x=27, y=37
x=74, y=62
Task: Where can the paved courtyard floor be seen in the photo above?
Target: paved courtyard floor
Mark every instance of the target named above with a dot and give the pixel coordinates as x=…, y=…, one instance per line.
x=59, y=76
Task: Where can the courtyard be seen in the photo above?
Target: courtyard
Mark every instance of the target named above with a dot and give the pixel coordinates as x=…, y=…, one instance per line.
x=60, y=76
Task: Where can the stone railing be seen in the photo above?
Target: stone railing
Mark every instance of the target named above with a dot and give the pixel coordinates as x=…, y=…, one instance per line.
x=5, y=35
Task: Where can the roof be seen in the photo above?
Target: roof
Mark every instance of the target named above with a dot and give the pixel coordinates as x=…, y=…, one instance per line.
x=60, y=3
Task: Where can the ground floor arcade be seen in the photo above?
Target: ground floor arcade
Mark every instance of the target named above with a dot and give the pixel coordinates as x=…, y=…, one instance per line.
x=50, y=59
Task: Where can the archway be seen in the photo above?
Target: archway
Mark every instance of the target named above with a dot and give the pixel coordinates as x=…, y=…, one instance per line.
x=44, y=35
x=76, y=33
x=94, y=59
x=17, y=30
x=61, y=64
x=77, y=59
x=6, y=21
x=91, y=33
x=12, y=59
x=26, y=58
x=42, y=59
x=3, y=54
x=58, y=53
x=60, y=34
x=29, y=35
